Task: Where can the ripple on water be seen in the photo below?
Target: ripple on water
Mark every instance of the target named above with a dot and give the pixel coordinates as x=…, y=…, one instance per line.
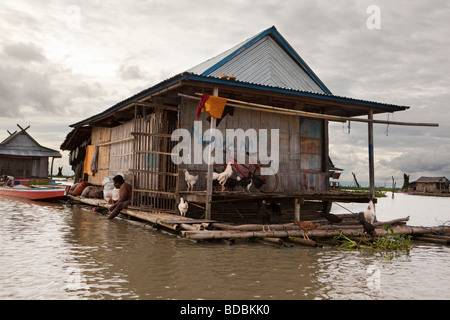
x=49, y=251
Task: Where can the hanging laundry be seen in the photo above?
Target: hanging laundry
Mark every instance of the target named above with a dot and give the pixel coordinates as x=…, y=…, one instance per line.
x=94, y=162
x=227, y=111
x=88, y=159
x=201, y=104
x=214, y=106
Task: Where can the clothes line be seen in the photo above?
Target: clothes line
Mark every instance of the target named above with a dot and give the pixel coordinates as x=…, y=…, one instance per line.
x=271, y=109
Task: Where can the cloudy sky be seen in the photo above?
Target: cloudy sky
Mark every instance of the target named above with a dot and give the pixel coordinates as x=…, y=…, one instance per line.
x=63, y=61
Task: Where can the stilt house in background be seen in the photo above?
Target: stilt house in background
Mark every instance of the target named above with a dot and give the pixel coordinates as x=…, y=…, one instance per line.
x=269, y=86
x=23, y=157
x=430, y=184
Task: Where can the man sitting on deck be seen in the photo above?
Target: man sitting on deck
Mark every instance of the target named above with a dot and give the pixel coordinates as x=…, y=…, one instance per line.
x=124, y=196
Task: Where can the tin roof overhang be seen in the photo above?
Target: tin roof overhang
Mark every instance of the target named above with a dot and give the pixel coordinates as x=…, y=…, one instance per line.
x=345, y=106
x=29, y=153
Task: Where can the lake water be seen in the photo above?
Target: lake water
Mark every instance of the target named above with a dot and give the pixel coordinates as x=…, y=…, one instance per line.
x=51, y=251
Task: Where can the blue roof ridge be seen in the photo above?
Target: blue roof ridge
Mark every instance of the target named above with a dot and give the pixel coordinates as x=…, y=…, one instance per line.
x=273, y=32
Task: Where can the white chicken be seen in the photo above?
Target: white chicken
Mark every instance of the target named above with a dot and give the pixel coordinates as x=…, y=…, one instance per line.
x=190, y=180
x=183, y=207
x=369, y=213
x=223, y=176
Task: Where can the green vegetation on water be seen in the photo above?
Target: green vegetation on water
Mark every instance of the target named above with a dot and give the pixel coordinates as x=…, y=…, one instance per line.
x=379, y=192
x=387, y=244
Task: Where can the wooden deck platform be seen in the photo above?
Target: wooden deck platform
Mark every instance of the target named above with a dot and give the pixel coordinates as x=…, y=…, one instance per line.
x=201, y=229
x=228, y=196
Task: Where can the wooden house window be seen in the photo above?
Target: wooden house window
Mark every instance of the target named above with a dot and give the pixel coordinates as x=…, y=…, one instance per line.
x=312, y=173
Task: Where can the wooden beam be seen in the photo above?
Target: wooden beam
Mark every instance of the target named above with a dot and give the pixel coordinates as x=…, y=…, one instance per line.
x=271, y=109
x=297, y=208
x=113, y=142
x=23, y=128
x=154, y=105
x=371, y=157
x=209, y=182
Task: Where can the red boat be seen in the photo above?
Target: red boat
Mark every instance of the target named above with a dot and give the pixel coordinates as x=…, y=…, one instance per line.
x=31, y=193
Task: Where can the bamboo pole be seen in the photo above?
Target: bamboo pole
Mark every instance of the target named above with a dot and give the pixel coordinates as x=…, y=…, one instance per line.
x=371, y=156
x=202, y=235
x=209, y=182
x=253, y=227
x=392, y=222
x=427, y=238
x=270, y=109
x=290, y=226
x=306, y=242
x=191, y=227
x=277, y=241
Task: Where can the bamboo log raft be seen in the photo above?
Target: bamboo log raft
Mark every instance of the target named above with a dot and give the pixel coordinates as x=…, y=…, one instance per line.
x=196, y=229
x=291, y=226
x=233, y=234
x=158, y=219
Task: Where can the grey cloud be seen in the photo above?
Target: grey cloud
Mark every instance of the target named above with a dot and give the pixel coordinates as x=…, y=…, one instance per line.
x=130, y=72
x=40, y=88
x=419, y=161
x=24, y=52
x=405, y=62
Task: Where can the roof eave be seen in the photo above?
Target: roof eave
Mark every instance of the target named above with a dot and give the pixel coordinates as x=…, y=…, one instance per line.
x=369, y=104
x=200, y=78
x=158, y=87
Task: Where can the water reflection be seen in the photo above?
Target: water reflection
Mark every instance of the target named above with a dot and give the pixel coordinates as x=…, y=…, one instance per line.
x=50, y=251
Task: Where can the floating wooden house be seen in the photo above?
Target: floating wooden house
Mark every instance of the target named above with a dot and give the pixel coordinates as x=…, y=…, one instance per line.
x=269, y=86
x=23, y=157
x=430, y=184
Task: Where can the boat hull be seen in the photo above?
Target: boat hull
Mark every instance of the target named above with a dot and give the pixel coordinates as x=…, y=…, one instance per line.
x=45, y=194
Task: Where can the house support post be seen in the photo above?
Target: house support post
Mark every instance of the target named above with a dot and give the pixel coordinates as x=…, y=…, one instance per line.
x=297, y=203
x=209, y=181
x=371, y=157
x=51, y=167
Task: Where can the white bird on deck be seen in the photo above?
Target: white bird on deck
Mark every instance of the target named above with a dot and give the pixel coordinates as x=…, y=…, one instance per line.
x=183, y=207
x=223, y=176
x=369, y=213
x=190, y=180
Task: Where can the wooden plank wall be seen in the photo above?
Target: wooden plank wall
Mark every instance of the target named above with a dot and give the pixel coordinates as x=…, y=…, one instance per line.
x=99, y=136
x=313, y=176
x=121, y=149
x=16, y=167
x=155, y=175
x=25, y=167
x=296, y=172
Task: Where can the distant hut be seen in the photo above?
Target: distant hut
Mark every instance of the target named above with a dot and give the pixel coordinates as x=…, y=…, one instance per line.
x=268, y=85
x=23, y=157
x=430, y=184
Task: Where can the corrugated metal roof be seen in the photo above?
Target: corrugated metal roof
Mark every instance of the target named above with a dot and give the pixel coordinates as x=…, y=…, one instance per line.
x=30, y=153
x=431, y=180
x=387, y=107
x=265, y=59
x=23, y=145
x=264, y=62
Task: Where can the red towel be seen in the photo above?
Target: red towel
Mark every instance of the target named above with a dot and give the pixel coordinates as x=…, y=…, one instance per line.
x=201, y=104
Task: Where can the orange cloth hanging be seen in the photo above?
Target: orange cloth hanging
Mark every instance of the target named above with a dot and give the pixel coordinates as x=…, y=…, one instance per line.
x=88, y=159
x=214, y=106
